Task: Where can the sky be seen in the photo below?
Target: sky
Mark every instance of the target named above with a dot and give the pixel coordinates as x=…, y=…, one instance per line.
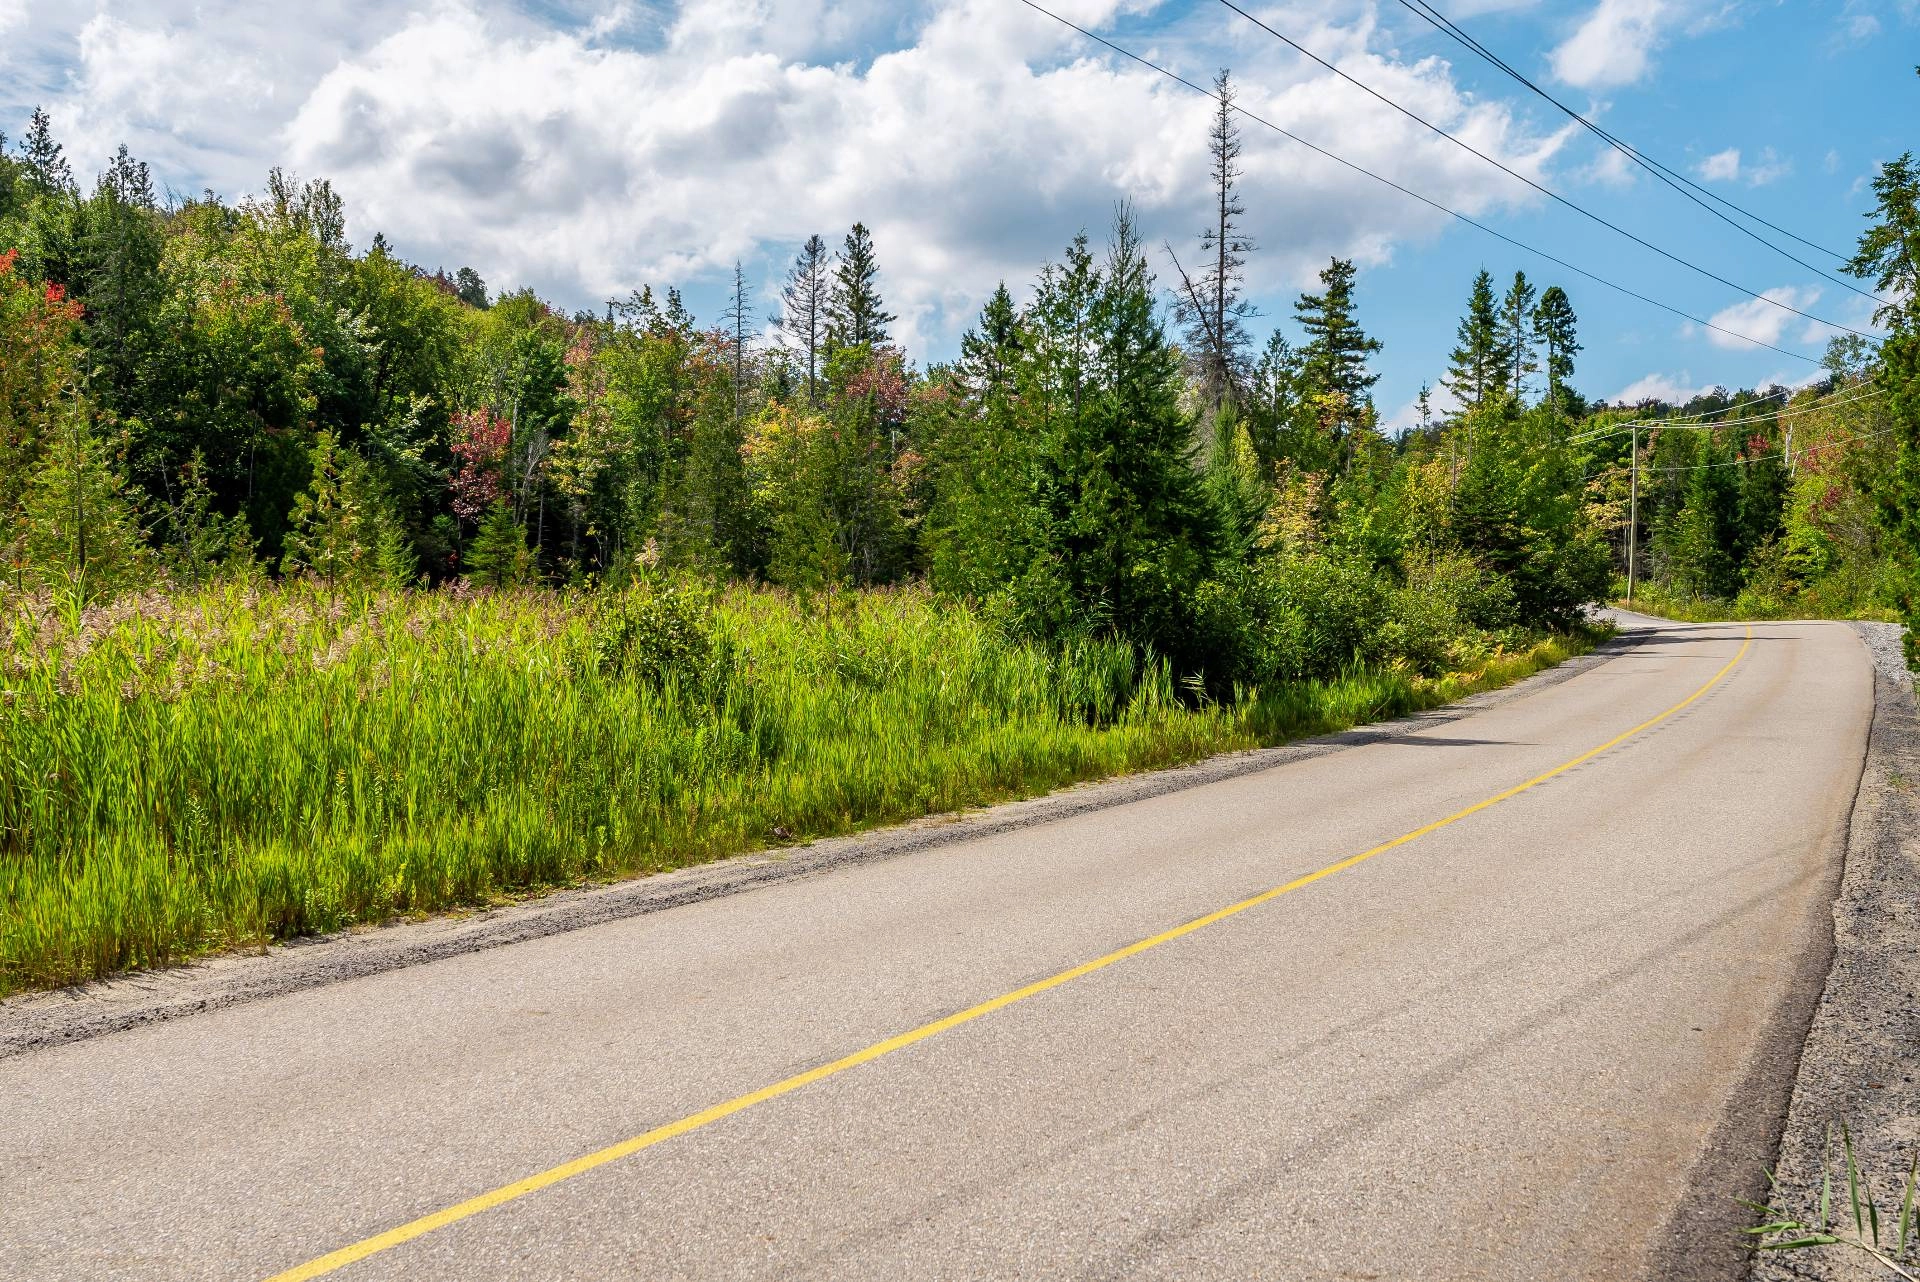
x=587, y=147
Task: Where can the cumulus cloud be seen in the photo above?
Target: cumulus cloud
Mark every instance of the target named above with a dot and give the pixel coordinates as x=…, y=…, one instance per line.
x=587, y=146
x=1728, y=166
x=1722, y=166
x=973, y=151
x=1760, y=320
x=1674, y=389
x=1614, y=45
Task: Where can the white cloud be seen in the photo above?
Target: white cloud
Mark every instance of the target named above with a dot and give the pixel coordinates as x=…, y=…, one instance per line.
x=1614, y=46
x=1674, y=389
x=973, y=152
x=1722, y=166
x=585, y=147
x=1762, y=321
x=1728, y=166
x=1611, y=168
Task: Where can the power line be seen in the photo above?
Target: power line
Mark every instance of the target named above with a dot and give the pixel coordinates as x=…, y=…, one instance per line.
x=1546, y=191
x=1672, y=178
x=1803, y=451
x=1685, y=424
x=1425, y=200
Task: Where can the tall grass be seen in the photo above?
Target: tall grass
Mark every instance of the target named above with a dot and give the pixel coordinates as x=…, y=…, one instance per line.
x=181, y=774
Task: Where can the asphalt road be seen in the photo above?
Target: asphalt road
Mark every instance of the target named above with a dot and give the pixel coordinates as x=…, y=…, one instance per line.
x=1547, y=1039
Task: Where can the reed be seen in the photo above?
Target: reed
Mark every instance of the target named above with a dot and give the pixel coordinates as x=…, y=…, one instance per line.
x=185, y=773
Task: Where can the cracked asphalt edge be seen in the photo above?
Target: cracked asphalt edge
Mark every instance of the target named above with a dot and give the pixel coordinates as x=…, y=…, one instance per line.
x=34, y=1021
x=1861, y=1058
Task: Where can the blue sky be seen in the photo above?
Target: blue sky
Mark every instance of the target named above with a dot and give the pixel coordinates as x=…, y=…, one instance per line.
x=584, y=147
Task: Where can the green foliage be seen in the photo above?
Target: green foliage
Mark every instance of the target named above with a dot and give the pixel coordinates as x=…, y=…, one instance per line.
x=665, y=635
x=855, y=316
x=1334, y=361
x=498, y=556
x=1480, y=361
x=79, y=528
x=235, y=764
x=337, y=523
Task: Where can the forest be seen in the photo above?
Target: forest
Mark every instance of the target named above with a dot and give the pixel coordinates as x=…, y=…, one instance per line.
x=338, y=586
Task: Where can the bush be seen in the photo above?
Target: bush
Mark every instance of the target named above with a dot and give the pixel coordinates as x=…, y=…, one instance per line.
x=662, y=635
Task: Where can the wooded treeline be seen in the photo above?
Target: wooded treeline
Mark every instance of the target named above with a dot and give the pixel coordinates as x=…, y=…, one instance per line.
x=194, y=389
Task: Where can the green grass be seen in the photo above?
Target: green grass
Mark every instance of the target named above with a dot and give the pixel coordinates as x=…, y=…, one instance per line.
x=190, y=773
x=1749, y=607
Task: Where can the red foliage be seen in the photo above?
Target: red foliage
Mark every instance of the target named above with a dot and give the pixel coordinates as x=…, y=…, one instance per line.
x=480, y=443
x=56, y=293
x=882, y=383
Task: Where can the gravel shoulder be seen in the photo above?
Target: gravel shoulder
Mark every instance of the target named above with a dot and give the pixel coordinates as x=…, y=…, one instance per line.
x=1859, y=1061
x=33, y=1021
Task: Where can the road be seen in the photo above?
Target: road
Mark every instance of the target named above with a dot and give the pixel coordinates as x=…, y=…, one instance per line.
x=1545, y=1037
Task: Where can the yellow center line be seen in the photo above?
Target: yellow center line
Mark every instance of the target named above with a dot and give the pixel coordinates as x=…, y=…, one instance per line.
x=393, y=1237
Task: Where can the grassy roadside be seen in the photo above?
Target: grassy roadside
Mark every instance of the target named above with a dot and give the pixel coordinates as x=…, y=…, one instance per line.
x=1687, y=609
x=185, y=774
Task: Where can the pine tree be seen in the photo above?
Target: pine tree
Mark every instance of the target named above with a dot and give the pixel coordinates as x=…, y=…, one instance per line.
x=1555, y=326
x=855, y=314
x=1127, y=529
x=988, y=351
x=1236, y=481
x=47, y=170
x=117, y=273
x=335, y=523
x=1335, y=357
x=498, y=556
x=1889, y=256
x=129, y=180
x=1517, y=336
x=396, y=563
x=803, y=318
x=1212, y=306
x=738, y=309
x=201, y=542
x=470, y=289
x=1478, y=364
x=81, y=529
x=979, y=524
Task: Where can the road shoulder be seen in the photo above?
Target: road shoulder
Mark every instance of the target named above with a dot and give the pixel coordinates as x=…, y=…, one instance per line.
x=36, y=1021
x=1858, y=1062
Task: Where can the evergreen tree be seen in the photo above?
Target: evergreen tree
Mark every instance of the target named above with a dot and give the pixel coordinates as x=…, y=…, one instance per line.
x=1517, y=335
x=1212, y=306
x=1554, y=325
x=1334, y=360
x=498, y=556
x=979, y=526
x=1889, y=256
x=80, y=523
x=335, y=524
x=129, y=180
x=1236, y=482
x=1478, y=363
x=469, y=288
x=988, y=351
x=116, y=272
x=738, y=309
x=1129, y=532
x=47, y=170
x=803, y=316
x=855, y=314
x=201, y=542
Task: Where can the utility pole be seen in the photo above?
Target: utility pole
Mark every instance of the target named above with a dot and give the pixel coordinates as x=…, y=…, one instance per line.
x=1633, y=512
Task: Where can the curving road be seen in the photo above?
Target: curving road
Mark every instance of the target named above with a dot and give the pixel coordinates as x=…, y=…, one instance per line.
x=1546, y=1037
